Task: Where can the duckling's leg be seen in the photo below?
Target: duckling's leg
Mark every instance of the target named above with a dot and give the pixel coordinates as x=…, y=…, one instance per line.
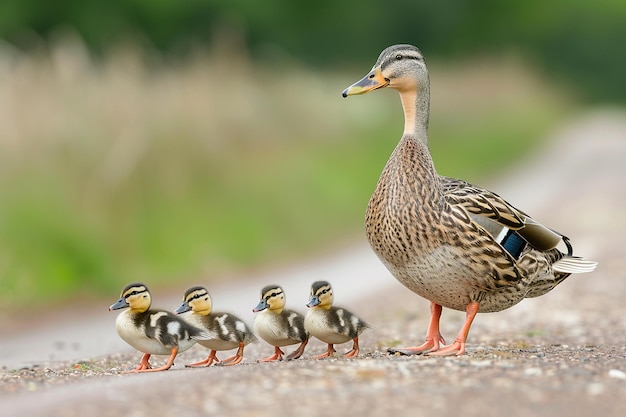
x=234, y=360
x=142, y=366
x=328, y=353
x=458, y=346
x=355, y=349
x=298, y=352
x=433, y=336
x=207, y=362
x=277, y=356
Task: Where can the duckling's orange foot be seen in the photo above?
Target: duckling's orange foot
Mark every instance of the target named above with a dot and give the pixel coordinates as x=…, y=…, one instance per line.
x=329, y=352
x=143, y=365
x=353, y=353
x=277, y=356
x=207, y=362
x=298, y=352
x=233, y=360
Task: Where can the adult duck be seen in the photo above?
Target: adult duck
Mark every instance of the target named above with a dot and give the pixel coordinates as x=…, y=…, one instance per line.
x=453, y=243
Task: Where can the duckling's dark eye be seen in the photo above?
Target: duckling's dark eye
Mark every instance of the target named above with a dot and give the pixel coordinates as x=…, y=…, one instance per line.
x=399, y=57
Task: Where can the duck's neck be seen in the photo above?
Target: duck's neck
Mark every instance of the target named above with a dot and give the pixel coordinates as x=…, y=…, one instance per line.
x=415, y=103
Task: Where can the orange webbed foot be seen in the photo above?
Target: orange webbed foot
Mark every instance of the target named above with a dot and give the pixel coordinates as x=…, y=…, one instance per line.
x=329, y=352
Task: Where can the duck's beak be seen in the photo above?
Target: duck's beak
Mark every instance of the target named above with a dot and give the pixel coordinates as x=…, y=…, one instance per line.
x=121, y=303
x=184, y=307
x=261, y=306
x=313, y=301
x=372, y=81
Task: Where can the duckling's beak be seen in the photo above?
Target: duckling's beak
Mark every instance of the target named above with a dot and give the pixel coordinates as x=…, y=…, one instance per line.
x=313, y=301
x=121, y=303
x=261, y=306
x=372, y=81
x=184, y=307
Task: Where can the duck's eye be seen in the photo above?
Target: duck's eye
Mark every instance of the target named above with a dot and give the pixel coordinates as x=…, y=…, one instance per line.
x=399, y=57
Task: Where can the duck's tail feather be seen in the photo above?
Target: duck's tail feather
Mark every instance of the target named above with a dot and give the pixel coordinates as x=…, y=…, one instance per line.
x=574, y=265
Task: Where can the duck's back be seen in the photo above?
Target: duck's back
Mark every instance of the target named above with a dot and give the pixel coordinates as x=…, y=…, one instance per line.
x=225, y=331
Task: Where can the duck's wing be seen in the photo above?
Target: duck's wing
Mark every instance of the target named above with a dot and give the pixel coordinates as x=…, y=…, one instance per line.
x=484, y=204
x=344, y=322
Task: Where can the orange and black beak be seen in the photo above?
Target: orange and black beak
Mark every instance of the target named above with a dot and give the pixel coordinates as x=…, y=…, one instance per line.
x=372, y=81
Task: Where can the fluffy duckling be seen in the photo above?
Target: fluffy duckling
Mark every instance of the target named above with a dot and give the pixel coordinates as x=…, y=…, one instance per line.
x=151, y=331
x=225, y=330
x=279, y=326
x=331, y=324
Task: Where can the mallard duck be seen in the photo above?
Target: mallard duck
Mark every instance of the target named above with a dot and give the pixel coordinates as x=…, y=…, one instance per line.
x=225, y=330
x=453, y=243
x=331, y=324
x=151, y=331
x=277, y=325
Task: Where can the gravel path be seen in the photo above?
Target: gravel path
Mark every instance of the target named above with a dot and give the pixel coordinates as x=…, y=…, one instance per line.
x=560, y=354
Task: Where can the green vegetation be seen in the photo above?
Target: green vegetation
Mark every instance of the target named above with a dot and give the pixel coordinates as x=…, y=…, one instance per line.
x=139, y=169
x=577, y=41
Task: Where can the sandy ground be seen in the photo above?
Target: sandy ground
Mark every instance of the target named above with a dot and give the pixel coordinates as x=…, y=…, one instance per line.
x=560, y=354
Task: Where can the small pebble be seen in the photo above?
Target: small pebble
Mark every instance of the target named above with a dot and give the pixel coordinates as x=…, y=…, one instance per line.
x=617, y=374
x=481, y=364
x=533, y=371
x=595, y=388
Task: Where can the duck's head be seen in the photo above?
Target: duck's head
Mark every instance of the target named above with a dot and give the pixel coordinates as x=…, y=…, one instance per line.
x=272, y=298
x=196, y=299
x=135, y=296
x=401, y=67
x=321, y=295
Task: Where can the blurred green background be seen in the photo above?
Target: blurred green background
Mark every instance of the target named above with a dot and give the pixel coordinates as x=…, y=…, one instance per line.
x=178, y=141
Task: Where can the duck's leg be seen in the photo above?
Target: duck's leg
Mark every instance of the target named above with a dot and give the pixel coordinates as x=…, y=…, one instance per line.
x=458, y=346
x=328, y=353
x=238, y=357
x=207, y=362
x=143, y=364
x=168, y=365
x=277, y=356
x=298, y=352
x=433, y=336
x=355, y=349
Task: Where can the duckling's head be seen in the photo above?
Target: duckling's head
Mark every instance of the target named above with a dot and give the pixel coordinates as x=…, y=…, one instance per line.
x=135, y=296
x=321, y=295
x=196, y=299
x=401, y=67
x=272, y=298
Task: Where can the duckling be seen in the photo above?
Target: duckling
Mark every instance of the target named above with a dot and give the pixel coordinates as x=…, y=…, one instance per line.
x=226, y=330
x=331, y=324
x=279, y=326
x=151, y=331
x=457, y=245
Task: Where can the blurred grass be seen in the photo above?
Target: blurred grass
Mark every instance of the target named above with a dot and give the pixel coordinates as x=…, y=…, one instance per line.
x=135, y=168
